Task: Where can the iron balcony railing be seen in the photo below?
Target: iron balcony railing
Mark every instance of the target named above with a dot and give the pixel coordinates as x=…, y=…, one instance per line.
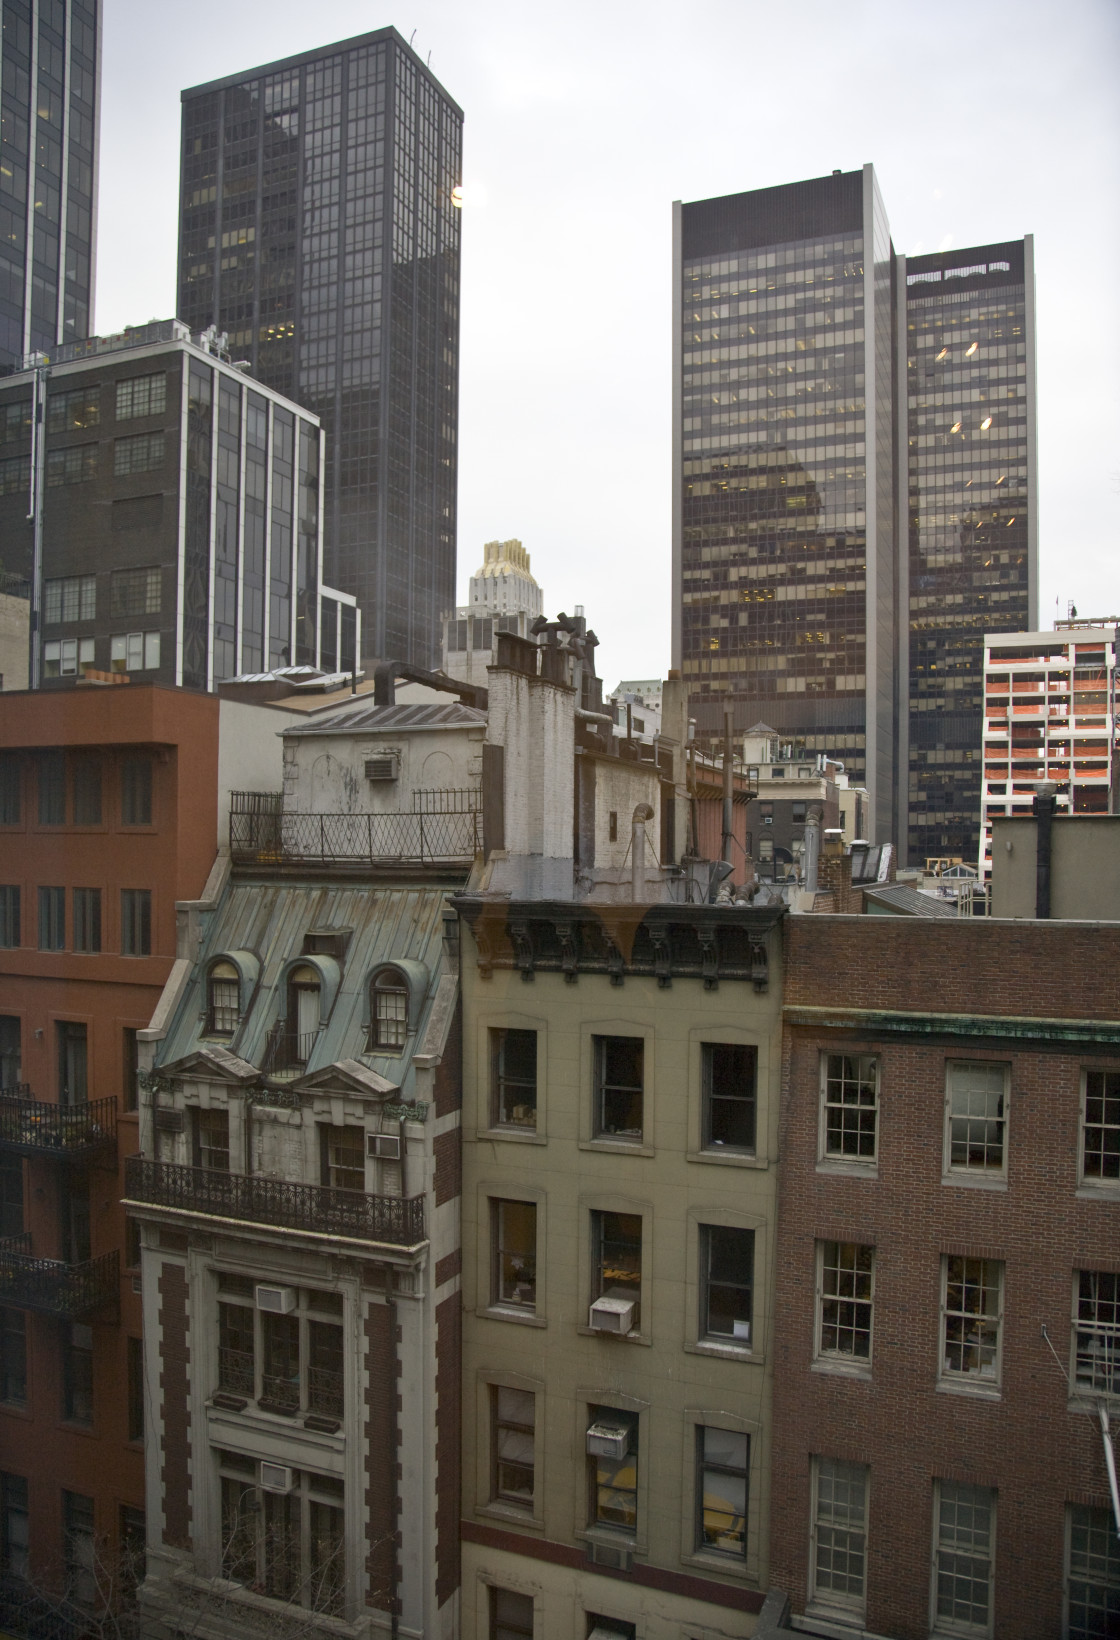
x=287, y=1050
x=279, y=1202
x=50, y=1287
x=262, y=835
x=71, y=1133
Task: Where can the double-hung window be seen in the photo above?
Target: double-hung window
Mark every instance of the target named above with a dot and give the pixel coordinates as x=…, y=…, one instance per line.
x=136, y=922
x=512, y=1436
x=513, y=1078
x=838, y=1546
x=616, y=1256
x=728, y=1070
x=722, y=1480
x=52, y=919
x=1092, y=1592
x=87, y=919
x=618, y=1087
x=1100, y=1128
x=513, y=1229
x=849, y=1118
x=210, y=1139
x=976, y=1119
x=971, y=1320
x=612, y=1469
x=727, y=1284
x=963, y=1558
x=845, y=1278
x=1096, y=1332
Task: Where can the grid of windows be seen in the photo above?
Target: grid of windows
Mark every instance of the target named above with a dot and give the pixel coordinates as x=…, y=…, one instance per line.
x=839, y=1532
x=80, y=407
x=972, y=1317
x=1092, y=1573
x=963, y=1552
x=223, y=999
x=134, y=652
x=142, y=396
x=1100, y=1155
x=844, y=1299
x=850, y=1106
x=69, y=598
x=135, y=591
x=74, y=465
x=1096, y=1332
x=344, y=1157
x=139, y=453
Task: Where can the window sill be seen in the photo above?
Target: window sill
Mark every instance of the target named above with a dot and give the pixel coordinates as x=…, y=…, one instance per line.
x=520, y=1318
x=615, y=1338
x=512, y=1515
x=618, y=1147
x=1109, y=1192
x=974, y=1392
x=975, y=1181
x=833, y=1622
x=848, y=1170
x=517, y=1136
x=861, y=1371
x=612, y=1539
x=721, y=1565
x=728, y=1157
x=724, y=1352
x=16, y=1409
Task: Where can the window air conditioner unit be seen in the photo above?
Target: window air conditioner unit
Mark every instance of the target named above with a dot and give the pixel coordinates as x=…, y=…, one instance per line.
x=616, y=1560
x=276, y=1300
x=607, y=1440
x=385, y=1146
x=275, y=1477
x=612, y=1315
x=381, y=768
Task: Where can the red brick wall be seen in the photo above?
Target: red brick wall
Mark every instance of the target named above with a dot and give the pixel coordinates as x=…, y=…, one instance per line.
x=449, y=1362
x=174, y=1365
x=449, y=1165
x=383, y=1408
x=449, y=1071
x=1027, y=1445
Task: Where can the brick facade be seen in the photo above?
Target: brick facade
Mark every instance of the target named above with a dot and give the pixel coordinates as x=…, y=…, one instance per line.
x=382, y=1456
x=449, y=1366
x=449, y=1165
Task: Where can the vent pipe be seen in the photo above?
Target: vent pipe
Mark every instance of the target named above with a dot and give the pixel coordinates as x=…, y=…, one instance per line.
x=642, y=813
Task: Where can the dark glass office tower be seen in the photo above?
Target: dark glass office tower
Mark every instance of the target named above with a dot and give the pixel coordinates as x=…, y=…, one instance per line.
x=784, y=560
x=973, y=551
x=320, y=230
x=49, y=108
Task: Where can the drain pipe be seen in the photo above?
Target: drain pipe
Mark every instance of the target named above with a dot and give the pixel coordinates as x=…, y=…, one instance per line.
x=641, y=814
x=728, y=785
x=1044, y=815
x=394, y=1425
x=1110, y=1464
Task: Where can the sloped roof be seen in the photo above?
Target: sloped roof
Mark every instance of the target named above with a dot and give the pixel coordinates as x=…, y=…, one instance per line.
x=364, y=718
x=904, y=901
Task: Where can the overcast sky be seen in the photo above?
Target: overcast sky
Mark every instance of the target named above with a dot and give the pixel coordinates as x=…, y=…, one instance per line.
x=984, y=120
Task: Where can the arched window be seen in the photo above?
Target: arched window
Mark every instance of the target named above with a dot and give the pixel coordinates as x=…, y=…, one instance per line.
x=304, y=985
x=223, y=999
x=388, y=1011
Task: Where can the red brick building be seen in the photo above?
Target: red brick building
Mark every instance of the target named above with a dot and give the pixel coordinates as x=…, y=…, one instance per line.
x=108, y=814
x=951, y=1188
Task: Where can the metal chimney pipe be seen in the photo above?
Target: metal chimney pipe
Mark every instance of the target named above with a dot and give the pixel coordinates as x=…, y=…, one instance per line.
x=728, y=784
x=1044, y=814
x=642, y=813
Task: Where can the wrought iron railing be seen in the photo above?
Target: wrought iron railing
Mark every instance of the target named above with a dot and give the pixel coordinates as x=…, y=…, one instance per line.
x=68, y=1132
x=236, y=1370
x=52, y=1287
x=324, y=1391
x=280, y=1202
x=287, y=1050
x=279, y=1394
x=263, y=836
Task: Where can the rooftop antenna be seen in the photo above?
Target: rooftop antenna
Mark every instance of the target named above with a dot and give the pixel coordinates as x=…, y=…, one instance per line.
x=411, y=37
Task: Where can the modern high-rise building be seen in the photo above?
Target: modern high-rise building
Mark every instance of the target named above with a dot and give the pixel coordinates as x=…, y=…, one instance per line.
x=50, y=98
x=320, y=230
x=822, y=385
x=973, y=524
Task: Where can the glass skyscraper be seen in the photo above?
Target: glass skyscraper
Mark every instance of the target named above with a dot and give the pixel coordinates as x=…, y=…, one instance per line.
x=49, y=108
x=319, y=229
x=970, y=439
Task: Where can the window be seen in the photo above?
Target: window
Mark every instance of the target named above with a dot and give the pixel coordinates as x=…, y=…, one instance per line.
x=69, y=598
x=81, y=407
x=9, y=915
x=11, y=806
x=210, y=1139
x=237, y=1347
x=1096, y=1332
x=11, y=1192
x=838, y=1546
x=729, y=1076
x=75, y=465
x=512, y=1433
x=135, y=591
x=136, y=791
x=722, y=1477
x=67, y=657
x=136, y=922
x=388, y=1011
x=15, y=421
x=135, y=1347
x=87, y=919
x=77, y=1373
x=514, y=1235
x=14, y=1520
x=1100, y=1153
x=79, y=1548
x=727, y=1272
x=618, y=1086
x=962, y=1571
x=15, y=475
x=52, y=919
x=74, y=1221
x=513, y=1078
x=971, y=1316
x=976, y=1118
x=223, y=999
x=288, y=1362
x=344, y=1157
x=52, y=789
x=850, y=1107
x=304, y=1016
x=131, y=1059
x=13, y=1358
x=87, y=791
x=511, y=1614
x=71, y=1045
x=142, y=396
x=617, y=1258
x=142, y=453
x=613, y=1476
x=1092, y=1573
x=134, y=652
x=845, y=1273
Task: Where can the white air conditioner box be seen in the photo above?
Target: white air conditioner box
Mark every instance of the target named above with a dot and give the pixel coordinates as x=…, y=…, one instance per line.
x=276, y=1300
x=612, y=1315
x=386, y=1146
x=617, y=1560
x=607, y=1439
x=381, y=768
x=275, y=1477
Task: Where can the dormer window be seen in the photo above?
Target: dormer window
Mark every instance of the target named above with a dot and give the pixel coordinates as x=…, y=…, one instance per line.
x=388, y=1011
x=304, y=985
x=223, y=1000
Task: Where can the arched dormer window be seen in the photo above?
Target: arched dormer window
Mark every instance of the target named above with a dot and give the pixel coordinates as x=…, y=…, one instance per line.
x=388, y=1011
x=304, y=996
x=223, y=999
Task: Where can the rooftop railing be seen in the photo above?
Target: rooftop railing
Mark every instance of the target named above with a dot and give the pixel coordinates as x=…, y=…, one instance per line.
x=286, y=1049
x=260, y=833
x=69, y=1133
x=278, y=1202
x=51, y=1287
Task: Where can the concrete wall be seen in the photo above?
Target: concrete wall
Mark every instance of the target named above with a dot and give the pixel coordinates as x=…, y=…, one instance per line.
x=250, y=752
x=324, y=774
x=14, y=615
x=1084, y=866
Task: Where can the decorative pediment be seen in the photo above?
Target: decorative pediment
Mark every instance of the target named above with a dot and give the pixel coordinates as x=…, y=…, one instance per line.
x=212, y=1063
x=346, y=1076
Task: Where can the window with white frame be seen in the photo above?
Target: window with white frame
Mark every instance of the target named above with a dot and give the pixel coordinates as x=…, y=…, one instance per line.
x=845, y=1278
x=849, y=1128
x=513, y=1078
x=971, y=1319
x=69, y=598
x=838, y=1547
x=388, y=1011
x=1096, y=1332
x=1100, y=1128
x=722, y=1486
x=283, y=1532
x=66, y=657
x=976, y=1118
x=963, y=1558
x=1092, y=1592
x=134, y=652
x=223, y=999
